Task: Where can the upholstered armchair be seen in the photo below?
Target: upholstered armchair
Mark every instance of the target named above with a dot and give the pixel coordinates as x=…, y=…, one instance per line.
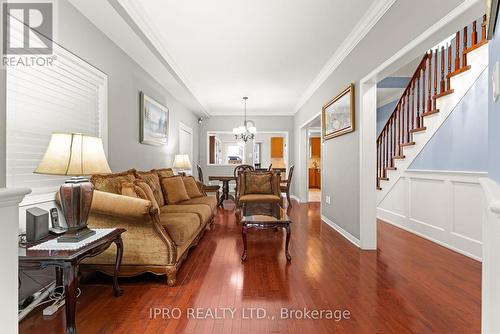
x=258, y=187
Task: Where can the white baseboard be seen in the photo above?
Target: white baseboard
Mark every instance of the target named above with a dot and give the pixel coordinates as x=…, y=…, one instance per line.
x=355, y=241
x=296, y=198
x=441, y=243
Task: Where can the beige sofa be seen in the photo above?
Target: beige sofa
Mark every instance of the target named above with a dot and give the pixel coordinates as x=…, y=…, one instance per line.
x=158, y=238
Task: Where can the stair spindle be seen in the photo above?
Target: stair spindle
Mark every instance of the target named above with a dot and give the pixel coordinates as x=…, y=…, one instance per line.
x=391, y=119
x=417, y=121
x=412, y=109
x=429, y=83
x=474, y=34
x=464, y=53
x=403, y=108
x=457, y=50
x=442, y=83
x=435, y=74
x=385, y=152
x=483, y=29
x=408, y=117
x=448, y=77
x=378, y=162
x=395, y=138
x=398, y=119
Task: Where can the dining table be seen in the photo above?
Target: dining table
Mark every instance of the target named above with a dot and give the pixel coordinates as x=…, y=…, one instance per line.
x=225, y=187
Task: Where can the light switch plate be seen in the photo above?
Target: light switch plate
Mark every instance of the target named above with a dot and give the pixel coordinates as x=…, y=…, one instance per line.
x=327, y=199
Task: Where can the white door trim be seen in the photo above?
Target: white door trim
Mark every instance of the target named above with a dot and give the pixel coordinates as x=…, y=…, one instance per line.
x=303, y=192
x=189, y=130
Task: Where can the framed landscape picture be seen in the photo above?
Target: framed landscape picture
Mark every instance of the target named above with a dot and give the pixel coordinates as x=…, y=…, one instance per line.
x=154, y=121
x=338, y=114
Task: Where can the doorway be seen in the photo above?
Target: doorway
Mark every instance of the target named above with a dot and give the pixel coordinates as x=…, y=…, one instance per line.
x=311, y=159
x=186, y=141
x=314, y=164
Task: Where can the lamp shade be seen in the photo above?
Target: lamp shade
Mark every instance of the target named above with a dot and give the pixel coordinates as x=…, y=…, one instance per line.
x=181, y=161
x=73, y=154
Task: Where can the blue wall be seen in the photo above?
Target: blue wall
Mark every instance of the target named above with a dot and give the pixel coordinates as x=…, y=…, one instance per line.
x=383, y=114
x=494, y=112
x=461, y=143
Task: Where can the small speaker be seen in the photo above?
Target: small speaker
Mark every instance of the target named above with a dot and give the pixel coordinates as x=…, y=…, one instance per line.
x=37, y=224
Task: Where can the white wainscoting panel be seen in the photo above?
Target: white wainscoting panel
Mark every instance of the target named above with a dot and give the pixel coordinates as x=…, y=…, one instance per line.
x=490, y=301
x=444, y=207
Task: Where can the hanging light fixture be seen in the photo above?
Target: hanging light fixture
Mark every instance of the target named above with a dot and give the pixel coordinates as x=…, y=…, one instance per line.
x=246, y=131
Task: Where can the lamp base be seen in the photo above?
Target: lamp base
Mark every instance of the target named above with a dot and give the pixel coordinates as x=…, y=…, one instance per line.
x=76, y=235
x=76, y=200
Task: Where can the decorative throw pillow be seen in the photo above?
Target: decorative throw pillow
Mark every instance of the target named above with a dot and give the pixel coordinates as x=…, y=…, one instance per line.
x=191, y=187
x=174, y=189
x=128, y=189
x=112, y=183
x=258, y=183
x=164, y=172
x=153, y=181
x=144, y=191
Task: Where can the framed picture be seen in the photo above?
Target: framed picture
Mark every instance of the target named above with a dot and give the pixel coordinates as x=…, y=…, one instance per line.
x=154, y=121
x=492, y=14
x=338, y=114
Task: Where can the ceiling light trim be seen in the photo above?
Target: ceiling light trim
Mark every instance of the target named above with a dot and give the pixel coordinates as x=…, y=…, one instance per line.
x=373, y=14
x=150, y=32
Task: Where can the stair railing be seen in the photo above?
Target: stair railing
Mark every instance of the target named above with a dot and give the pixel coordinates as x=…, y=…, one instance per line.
x=430, y=81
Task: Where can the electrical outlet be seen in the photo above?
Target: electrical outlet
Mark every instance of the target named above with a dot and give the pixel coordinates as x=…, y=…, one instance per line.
x=327, y=199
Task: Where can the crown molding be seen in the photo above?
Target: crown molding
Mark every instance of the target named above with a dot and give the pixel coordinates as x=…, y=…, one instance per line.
x=372, y=15
x=136, y=13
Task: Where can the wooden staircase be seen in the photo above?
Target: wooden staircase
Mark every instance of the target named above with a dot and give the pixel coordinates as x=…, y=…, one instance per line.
x=440, y=81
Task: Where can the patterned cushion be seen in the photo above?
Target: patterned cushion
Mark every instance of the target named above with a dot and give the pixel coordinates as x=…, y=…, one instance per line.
x=174, y=190
x=181, y=227
x=258, y=183
x=191, y=187
x=112, y=183
x=153, y=181
x=164, y=172
x=145, y=192
x=128, y=189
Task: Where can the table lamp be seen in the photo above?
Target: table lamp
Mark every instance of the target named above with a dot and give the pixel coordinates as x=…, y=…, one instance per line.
x=75, y=155
x=181, y=162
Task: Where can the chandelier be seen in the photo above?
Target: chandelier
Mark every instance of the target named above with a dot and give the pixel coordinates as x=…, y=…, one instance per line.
x=246, y=131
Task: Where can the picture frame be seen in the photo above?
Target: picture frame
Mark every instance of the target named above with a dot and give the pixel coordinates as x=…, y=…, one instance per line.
x=338, y=114
x=492, y=7
x=154, y=121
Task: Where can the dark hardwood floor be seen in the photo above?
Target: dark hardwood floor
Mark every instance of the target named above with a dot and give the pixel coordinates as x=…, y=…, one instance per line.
x=410, y=285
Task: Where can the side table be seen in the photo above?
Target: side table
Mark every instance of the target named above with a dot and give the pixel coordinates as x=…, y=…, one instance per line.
x=66, y=263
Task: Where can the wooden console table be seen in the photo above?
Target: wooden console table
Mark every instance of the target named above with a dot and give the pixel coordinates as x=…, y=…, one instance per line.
x=66, y=263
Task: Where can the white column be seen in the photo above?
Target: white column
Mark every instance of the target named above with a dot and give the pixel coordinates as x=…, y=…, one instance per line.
x=368, y=165
x=9, y=218
x=490, y=301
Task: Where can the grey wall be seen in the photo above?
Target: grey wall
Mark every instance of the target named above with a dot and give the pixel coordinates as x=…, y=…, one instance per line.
x=3, y=117
x=461, y=143
x=340, y=172
x=227, y=123
x=494, y=112
x=383, y=114
x=125, y=79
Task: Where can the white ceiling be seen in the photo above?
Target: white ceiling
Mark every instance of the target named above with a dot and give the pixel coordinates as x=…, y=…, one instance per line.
x=271, y=51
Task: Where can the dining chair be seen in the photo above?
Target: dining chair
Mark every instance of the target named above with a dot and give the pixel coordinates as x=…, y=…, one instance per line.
x=237, y=171
x=286, y=184
x=208, y=188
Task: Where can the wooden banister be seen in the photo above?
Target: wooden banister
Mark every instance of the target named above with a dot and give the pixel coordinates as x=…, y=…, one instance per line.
x=418, y=99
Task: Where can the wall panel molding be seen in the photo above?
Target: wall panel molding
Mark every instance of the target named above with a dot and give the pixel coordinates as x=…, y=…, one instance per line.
x=442, y=206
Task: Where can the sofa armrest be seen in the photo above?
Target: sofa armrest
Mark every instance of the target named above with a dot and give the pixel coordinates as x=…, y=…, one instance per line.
x=120, y=205
x=201, y=187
